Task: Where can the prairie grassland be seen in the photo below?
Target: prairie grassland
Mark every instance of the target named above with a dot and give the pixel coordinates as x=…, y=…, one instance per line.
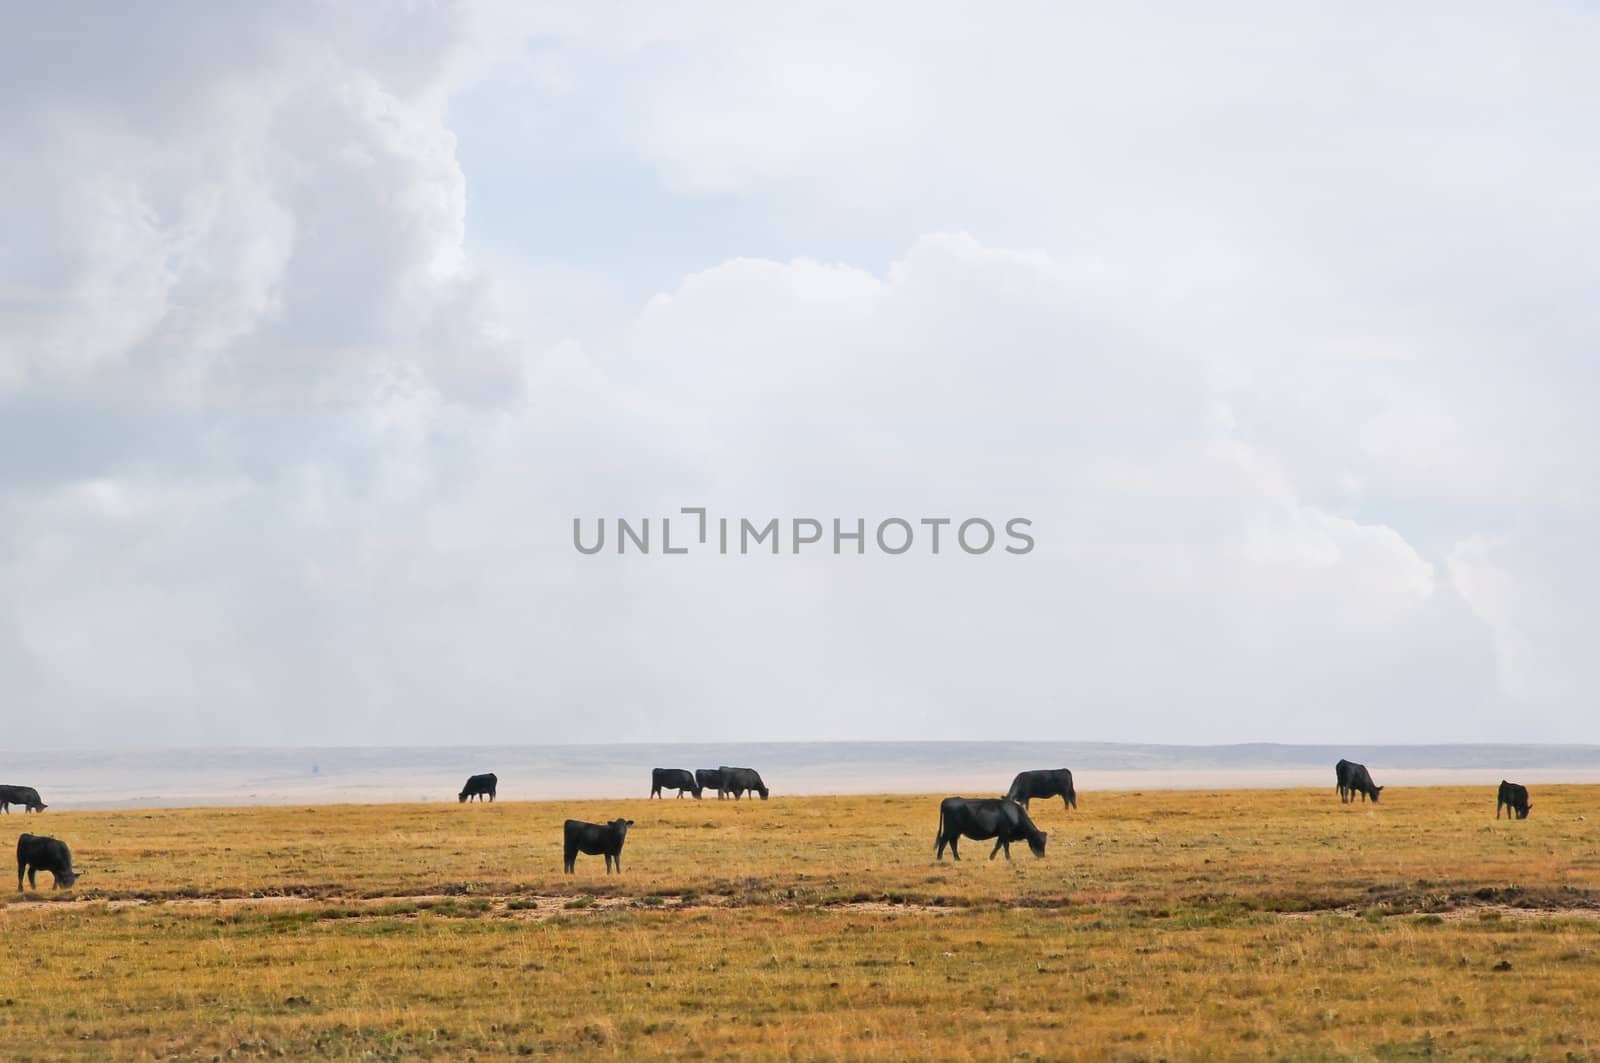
x=1159, y=925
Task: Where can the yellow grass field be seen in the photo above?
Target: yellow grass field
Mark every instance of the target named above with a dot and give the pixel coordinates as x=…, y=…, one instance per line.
x=1160, y=925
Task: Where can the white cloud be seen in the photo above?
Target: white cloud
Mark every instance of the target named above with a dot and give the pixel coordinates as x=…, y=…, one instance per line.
x=1302, y=421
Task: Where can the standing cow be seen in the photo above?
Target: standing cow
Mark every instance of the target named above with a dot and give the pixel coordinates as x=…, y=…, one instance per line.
x=26, y=796
x=35, y=854
x=479, y=786
x=709, y=779
x=1049, y=782
x=679, y=779
x=737, y=781
x=594, y=839
x=1514, y=799
x=982, y=818
x=1351, y=779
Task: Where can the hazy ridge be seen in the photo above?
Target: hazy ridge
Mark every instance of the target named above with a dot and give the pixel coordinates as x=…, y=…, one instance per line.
x=227, y=776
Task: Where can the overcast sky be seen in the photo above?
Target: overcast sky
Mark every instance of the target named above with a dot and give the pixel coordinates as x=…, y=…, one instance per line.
x=319, y=324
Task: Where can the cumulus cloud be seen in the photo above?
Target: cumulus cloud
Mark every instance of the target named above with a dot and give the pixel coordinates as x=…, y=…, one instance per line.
x=290, y=446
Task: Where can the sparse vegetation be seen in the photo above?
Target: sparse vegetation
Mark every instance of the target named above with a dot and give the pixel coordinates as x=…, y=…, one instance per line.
x=1160, y=925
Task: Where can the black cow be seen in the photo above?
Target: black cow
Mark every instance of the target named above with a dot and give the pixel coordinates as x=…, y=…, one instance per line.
x=982, y=818
x=35, y=854
x=1049, y=782
x=479, y=785
x=26, y=796
x=710, y=779
x=1352, y=779
x=679, y=779
x=594, y=839
x=1513, y=798
x=737, y=781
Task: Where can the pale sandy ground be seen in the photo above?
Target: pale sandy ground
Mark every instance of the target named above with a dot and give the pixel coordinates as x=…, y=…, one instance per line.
x=381, y=787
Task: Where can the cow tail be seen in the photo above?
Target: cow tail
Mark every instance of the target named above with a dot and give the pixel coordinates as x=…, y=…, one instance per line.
x=940, y=835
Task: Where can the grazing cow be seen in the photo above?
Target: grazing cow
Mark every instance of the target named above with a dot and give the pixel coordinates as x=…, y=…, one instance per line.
x=982, y=818
x=479, y=785
x=594, y=839
x=1352, y=779
x=710, y=779
x=679, y=779
x=1050, y=782
x=35, y=854
x=26, y=796
x=1513, y=798
x=737, y=781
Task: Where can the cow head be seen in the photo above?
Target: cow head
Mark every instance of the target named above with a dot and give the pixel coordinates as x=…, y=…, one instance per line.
x=40, y=807
x=67, y=878
x=622, y=826
x=1037, y=845
x=763, y=792
x=1522, y=813
x=1376, y=790
x=461, y=798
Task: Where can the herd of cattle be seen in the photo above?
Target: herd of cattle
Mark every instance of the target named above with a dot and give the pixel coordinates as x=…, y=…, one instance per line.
x=1004, y=819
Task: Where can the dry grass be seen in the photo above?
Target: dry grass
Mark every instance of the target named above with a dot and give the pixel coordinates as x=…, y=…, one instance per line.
x=1161, y=924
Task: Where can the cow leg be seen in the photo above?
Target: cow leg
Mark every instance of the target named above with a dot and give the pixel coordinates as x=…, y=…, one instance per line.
x=1065, y=803
x=954, y=838
x=996, y=850
x=938, y=848
x=33, y=883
